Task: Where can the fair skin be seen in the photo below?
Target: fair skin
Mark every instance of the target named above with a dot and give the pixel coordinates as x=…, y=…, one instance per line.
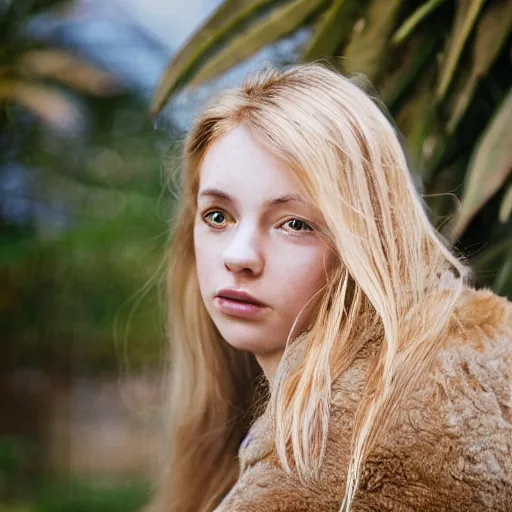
x=256, y=231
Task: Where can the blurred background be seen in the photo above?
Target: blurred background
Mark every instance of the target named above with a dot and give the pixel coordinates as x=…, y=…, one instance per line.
x=95, y=100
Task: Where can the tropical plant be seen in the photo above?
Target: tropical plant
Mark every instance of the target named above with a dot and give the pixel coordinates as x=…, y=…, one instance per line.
x=441, y=69
x=82, y=229
x=81, y=218
x=33, y=74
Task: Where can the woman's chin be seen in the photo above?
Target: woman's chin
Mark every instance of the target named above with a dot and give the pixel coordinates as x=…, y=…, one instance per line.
x=255, y=346
x=250, y=339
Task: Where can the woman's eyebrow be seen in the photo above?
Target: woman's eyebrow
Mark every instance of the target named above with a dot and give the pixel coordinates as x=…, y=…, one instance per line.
x=215, y=192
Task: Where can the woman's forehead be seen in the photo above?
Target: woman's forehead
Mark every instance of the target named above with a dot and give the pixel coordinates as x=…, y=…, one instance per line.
x=238, y=165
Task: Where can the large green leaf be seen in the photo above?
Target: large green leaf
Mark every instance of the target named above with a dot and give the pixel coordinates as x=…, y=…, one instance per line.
x=419, y=15
x=492, y=254
x=218, y=27
x=333, y=29
x=506, y=206
x=465, y=19
x=280, y=22
x=416, y=120
x=491, y=33
x=490, y=165
x=441, y=201
x=49, y=104
x=65, y=68
x=503, y=282
x=410, y=65
x=369, y=44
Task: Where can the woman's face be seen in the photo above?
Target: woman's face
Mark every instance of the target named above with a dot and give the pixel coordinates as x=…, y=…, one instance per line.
x=254, y=233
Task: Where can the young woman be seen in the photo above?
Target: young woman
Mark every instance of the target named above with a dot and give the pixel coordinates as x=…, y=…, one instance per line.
x=327, y=352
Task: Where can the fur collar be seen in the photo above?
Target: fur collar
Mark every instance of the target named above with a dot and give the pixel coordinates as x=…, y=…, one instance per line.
x=448, y=449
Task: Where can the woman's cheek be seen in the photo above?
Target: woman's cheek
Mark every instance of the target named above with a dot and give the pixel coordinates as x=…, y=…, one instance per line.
x=305, y=272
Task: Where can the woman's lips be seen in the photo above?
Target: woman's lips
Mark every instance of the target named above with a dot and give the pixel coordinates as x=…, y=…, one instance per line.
x=238, y=308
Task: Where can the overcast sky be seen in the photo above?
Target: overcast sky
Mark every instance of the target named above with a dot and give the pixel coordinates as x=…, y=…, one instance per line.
x=171, y=21
x=115, y=33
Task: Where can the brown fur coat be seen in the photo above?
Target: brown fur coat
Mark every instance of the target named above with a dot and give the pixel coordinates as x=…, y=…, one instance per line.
x=449, y=449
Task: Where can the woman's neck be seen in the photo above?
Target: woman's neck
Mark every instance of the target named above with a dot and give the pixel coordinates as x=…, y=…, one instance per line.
x=269, y=362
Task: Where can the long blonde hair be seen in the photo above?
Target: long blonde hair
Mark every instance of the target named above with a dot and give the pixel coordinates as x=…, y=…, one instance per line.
x=347, y=155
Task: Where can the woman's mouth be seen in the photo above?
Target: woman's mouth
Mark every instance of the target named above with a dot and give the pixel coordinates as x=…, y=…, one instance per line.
x=238, y=308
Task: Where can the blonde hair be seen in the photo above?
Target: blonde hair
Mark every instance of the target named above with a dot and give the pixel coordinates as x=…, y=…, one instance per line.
x=391, y=263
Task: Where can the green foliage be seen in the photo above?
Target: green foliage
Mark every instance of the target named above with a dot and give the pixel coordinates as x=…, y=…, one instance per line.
x=80, y=270
x=366, y=50
x=228, y=17
x=281, y=21
x=440, y=67
x=333, y=28
x=89, y=496
x=80, y=494
x=17, y=454
x=88, y=295
x=83, y=235
x=11, y=460
x=490, y=166
x=32, y=75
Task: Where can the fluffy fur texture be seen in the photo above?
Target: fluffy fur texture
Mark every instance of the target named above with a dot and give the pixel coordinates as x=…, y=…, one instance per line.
x=449, y=448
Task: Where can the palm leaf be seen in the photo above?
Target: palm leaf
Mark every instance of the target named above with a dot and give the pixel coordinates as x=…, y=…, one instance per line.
x=415, y=57
x=47, y=103
x=492, y=254
x=65, y=68
x=492, y=32
x=368, y=46
x=503, y=281
x=333, y=29
x=419, y=15
x=218, y=27
x=441, y=200
x=465, y=19
x=416, y=120
x=282, y=21
x=490, y=165
x=506, y=206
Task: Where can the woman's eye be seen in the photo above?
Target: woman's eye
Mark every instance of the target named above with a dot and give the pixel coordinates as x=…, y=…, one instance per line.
x=298, y=225
x=215, y=217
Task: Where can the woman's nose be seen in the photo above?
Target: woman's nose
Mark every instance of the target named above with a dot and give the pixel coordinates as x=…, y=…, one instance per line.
x=242, y=253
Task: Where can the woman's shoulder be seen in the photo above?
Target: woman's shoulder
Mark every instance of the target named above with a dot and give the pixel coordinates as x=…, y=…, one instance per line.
x=456, y=428
x=475, y=358
x=451, y=437
x=482, y=321
x=466, y=397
